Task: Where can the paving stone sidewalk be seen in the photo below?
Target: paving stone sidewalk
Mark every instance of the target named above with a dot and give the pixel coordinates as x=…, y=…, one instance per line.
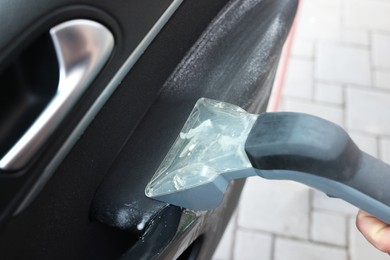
x=339, y=69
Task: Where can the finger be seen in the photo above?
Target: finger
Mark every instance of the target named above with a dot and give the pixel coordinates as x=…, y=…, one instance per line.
x=374, y=230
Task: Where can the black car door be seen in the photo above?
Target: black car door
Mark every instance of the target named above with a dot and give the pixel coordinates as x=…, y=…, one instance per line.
x=92, y=95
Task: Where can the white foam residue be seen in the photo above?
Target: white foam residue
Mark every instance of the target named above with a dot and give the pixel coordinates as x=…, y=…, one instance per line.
x=141, y=225
x=122, y=218
x=225, y=22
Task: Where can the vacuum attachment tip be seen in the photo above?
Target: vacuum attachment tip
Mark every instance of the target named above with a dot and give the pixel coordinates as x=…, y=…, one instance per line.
x=211, y=143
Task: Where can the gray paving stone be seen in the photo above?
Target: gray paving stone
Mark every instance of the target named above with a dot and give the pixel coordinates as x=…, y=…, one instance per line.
x=380, y=50
x=367, y=14
x=332, y=113
x=385, y=149
x=299, y=79
x=355, y=37
x=368, y=110
x=322, y=11
x=330, y=93
x=359, y=248
x=252, y=245
x=328, y=228
x=322, y=202
x=330, y=31
x=302, y=48
x=280, y=207
x=320, y=16
x=286, y=249
x=382, y=79
x=345, y=64
x=225, y=247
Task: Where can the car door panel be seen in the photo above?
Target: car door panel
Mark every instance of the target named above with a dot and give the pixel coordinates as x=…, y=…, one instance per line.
x=11, y=184
x=199, y=74
x=93, y=206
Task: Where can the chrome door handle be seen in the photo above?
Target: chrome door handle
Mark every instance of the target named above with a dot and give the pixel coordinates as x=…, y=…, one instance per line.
x=82, y=48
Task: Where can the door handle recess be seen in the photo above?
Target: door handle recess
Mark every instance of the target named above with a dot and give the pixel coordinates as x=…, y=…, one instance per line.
x=82, y=48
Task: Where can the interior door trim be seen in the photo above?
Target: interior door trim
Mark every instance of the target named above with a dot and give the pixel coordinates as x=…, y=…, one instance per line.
x=97, y=105
x=82, y=48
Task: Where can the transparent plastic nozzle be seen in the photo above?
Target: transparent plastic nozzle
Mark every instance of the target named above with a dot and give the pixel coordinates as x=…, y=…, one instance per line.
x=211, y=143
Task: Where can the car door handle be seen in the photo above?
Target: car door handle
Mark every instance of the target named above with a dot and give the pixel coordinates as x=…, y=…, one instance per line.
x=82, y=48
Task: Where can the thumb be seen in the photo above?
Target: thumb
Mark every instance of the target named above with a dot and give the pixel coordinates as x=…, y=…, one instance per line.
x=374, y=230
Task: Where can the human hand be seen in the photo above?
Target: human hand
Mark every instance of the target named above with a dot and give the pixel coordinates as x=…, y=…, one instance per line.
x=374, y=230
